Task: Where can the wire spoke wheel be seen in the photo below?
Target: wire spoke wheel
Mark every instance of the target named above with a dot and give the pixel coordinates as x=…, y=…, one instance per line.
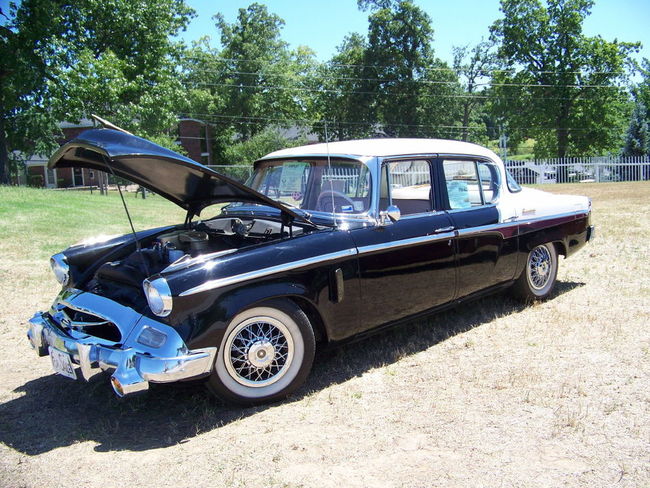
x=539, y=267
x=538, y=278
x=265, y=354
x=258, y=352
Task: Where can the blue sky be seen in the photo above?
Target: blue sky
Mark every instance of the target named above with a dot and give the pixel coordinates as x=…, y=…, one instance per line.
x=321, y=25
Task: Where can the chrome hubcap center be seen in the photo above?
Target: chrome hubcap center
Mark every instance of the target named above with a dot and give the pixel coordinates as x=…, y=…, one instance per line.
x=258, y=352
x=261, y=354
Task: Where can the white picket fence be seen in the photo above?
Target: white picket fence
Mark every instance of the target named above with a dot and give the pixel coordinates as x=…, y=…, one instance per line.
x=583, y=170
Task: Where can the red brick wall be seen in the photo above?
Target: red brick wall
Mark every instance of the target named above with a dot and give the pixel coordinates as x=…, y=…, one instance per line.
x=36, y=176
x=190, y=133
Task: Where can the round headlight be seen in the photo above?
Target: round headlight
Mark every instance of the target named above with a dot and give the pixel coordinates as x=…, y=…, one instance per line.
x=60, y=268
x=158, y=296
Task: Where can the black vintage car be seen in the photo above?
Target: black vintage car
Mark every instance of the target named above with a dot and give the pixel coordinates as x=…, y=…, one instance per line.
x=325, y=243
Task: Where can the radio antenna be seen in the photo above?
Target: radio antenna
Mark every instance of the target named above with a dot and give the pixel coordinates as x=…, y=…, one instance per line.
x=331, y=173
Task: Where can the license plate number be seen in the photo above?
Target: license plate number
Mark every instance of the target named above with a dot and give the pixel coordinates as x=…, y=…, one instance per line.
x=62, y=364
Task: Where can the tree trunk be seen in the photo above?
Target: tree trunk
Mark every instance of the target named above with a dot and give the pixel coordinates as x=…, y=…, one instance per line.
x=4, y=155
x=466, y=110
x=562, y=135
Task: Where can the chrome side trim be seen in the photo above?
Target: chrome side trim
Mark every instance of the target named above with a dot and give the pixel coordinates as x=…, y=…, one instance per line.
x=485, y=228
x=186, y=260
x=469, y=209
x=512, y=222
x=406, y=242
x=574, y=213
x=260, y=273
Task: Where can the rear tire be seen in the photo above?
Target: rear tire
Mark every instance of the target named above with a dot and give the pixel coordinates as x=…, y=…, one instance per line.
x=538, y=278
x=266, y=354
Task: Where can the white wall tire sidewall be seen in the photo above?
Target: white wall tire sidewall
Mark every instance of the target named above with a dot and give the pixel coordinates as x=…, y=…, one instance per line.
x=253, y=393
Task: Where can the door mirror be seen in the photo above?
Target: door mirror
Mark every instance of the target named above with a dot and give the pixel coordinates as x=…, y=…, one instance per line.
x=389, y=216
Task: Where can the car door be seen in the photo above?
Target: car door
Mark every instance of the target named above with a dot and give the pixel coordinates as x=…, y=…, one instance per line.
x=405, y=267
x=485, y=249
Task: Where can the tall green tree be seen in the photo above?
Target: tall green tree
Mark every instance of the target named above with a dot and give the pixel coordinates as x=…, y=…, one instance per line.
x=340, y=100
x=473, y=66
x=637, y=138
x=642, y=90
x=561, y=87
x=63, y=61
x=260, y=77
x=402, y=74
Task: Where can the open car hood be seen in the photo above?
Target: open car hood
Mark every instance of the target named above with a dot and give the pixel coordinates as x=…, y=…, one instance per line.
x=181, y=180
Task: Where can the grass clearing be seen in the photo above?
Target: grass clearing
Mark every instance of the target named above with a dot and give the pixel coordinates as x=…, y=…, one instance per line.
x=488, y=394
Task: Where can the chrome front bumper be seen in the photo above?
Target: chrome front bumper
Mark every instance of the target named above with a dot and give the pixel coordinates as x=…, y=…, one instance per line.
x=135, y=364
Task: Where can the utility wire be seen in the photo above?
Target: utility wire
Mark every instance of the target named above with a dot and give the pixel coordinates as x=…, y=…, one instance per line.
x=251, y=120
x=218, y=59
x=356, y=92
x=414, y=81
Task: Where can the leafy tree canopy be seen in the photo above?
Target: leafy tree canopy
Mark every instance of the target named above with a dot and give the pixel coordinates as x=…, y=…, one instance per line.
x=559, y=86
x=62, y=61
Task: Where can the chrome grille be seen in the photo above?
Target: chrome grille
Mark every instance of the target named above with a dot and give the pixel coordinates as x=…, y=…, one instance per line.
x=70, y=319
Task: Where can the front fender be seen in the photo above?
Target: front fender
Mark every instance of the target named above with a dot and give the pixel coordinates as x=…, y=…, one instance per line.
x=211, y=326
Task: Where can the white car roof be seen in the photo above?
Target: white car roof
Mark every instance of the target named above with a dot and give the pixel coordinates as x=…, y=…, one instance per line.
x=385, y=148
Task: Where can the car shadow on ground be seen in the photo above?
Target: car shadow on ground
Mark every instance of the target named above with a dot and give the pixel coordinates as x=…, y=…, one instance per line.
x=55, y=412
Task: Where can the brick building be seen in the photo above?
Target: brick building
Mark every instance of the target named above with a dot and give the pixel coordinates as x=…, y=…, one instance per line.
x=193, y=135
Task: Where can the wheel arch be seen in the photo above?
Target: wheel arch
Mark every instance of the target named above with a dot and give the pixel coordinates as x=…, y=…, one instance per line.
x=314, y=316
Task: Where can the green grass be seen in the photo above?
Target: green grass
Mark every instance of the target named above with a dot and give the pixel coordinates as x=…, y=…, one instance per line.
x=43, y=222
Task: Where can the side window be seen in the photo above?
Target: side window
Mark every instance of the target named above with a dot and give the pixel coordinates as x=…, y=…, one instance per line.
x=462, y=183
x=490, y=181
x=470, y=183
x=406, y=184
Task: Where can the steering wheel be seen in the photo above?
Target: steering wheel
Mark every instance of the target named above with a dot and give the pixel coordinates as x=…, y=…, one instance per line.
x=324, y=200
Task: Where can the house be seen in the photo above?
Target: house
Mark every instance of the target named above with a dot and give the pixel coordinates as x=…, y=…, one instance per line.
x=193, y=135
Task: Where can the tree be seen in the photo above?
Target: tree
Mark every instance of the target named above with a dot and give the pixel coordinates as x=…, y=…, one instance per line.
x=262, y=143
x=642, y=90
x=637, y=139
x=473, y=66
x=340, y=98
x=63, y=60
x=402, y=75
x=560, y=87
x=259, y=75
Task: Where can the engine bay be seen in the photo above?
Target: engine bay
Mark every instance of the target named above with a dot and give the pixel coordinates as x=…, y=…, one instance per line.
x=121, y=279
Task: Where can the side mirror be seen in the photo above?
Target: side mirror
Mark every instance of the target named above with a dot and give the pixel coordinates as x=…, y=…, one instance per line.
x=389, y=216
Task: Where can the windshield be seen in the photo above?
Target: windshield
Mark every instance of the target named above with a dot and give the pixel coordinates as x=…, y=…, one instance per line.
x=342, y=186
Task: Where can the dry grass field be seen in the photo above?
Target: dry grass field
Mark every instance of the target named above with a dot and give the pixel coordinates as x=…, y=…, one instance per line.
x=490, y=394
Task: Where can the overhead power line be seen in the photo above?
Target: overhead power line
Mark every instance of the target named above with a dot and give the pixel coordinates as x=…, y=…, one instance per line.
x=332, y=122
x=414, y=81
x=425, y=68
x=358, y=92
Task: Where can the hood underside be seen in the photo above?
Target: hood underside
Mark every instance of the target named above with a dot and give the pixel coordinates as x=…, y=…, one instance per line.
x=179, y=179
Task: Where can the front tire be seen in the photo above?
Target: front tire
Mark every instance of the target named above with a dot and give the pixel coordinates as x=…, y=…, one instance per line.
x=266, y=354
x=538, y=278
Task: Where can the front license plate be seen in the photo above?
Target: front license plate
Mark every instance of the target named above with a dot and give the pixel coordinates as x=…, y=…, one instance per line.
x=62, y=364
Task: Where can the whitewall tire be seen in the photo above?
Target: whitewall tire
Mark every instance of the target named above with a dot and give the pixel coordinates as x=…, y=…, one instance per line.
x=266, y=354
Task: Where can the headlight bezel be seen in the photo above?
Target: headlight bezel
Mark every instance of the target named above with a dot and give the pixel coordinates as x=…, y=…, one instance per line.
x=159, y=296
x=60, y=268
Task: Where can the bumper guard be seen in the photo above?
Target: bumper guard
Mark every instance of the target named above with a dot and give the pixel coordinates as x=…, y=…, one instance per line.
x=135, y=364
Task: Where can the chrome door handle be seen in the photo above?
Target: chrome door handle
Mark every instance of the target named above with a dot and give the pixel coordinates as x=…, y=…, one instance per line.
x=444, y=229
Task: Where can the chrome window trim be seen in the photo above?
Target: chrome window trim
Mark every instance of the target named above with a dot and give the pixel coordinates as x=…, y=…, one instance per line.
x=406, y=242
x=482, y=159
x=429, y=158
x=469, y=209
x=261, y=273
